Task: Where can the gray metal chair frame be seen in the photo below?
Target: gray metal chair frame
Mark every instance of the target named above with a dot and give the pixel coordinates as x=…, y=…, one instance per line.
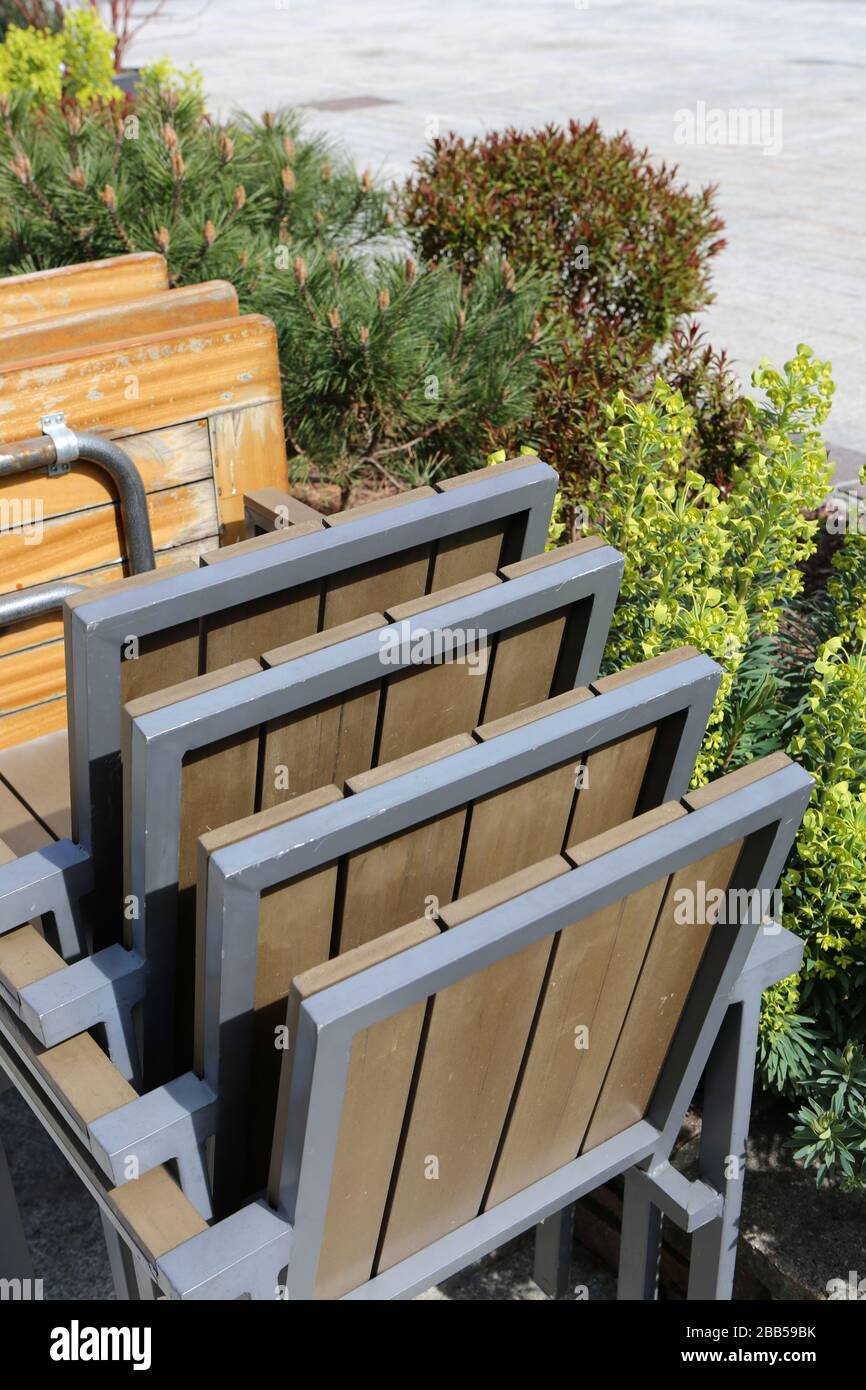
x=54, y=881
x=155, y=744
x=257, y=1250
x=96, y=632
x=171, y=1120
x=239, y=873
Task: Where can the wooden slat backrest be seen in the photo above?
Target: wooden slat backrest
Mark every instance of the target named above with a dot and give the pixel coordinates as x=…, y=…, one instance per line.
x=395, y=877
x=75, y=288
x=295, y=929
x=327, y=742
x=299, y=750
x=429, y=705
x=393, y=880
x=380, y=1073
x=556, y=1099
x=509, y=999
x=390, y=580
x=238, y=624
x=101, y=324
x=218, y=786
x=252, y=628
x=474, y=1039
x=591, y=978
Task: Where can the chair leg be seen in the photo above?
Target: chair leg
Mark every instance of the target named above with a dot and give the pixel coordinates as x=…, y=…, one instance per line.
x=640, y=1243
x=15, y=1261
x=552, y=1262
x=132, y=1282
x=728, y=1081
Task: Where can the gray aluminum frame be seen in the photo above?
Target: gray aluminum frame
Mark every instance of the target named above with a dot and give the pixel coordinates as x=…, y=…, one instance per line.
x=767, y=814
x=329, y=1021
x=95, y=632
x=247, y=1253
x=238, y=874
x=155, y=744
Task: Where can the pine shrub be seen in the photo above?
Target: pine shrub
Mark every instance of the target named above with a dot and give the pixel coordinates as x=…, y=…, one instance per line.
x=629, y=250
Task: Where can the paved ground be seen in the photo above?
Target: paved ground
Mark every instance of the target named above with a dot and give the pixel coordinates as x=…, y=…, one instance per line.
x=795, y=269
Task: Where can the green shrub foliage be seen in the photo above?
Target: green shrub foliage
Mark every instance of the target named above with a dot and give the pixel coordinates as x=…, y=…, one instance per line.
x=629, y=250
x=723, y=570
x=387, y=364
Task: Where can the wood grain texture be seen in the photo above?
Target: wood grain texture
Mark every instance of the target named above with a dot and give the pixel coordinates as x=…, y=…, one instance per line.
x=594, y=965
x=76, y=288
x=33, y=722
x=523, y=664
x=165, y=458
x=377, y=1088
x=143, y=383
x=38, y=773
x=249, y=451
x=22, y=635
x=295, y=924
x=324, y=743
x=376, y=586
x=516, y=827
x=96, y=326
x=84, y=1078
x=217, y=786
x=259, y=625
x=391, y=882
x=465, y=554
x=475, y=1038
x=155, y=1211
x=32, y=685
x=25, y=956
x=94, y=537
x=612, y=779
x=431, y=702
x=671, y=963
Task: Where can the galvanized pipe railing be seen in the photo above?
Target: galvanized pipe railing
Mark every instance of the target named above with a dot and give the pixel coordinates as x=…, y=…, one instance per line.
x=55, y=450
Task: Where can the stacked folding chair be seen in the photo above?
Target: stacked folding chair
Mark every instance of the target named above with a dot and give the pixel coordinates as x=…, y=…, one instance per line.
x=386, y=929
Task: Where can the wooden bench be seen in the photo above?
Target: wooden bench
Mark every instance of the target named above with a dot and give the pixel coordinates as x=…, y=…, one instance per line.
x=70, y=289
x=196, y=406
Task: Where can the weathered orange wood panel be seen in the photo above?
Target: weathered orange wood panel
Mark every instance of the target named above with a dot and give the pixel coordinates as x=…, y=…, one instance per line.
x=146, y=381
x=71, y=288
x=94, y=326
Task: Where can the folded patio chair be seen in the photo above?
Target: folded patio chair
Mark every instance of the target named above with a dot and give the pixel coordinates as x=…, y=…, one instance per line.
x=433, y=1103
